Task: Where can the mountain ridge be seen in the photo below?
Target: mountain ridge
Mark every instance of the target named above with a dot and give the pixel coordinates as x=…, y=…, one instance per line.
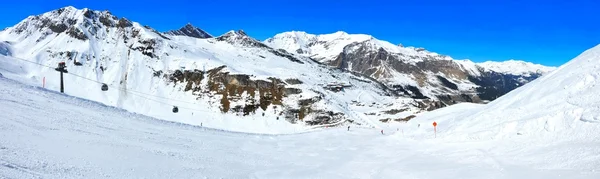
x=435, y=75
x=354, y=38
x=232, y=79
x=237, y=77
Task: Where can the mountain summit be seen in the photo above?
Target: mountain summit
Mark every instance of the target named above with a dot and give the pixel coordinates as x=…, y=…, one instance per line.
x=190, y=31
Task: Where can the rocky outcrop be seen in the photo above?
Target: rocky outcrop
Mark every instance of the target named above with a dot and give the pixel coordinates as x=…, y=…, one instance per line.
x=384, y=65
x=252, y=96
x=190, y=31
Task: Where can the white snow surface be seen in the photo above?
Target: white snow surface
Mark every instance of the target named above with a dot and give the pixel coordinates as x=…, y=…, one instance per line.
x=45, y=134
x=516, y=67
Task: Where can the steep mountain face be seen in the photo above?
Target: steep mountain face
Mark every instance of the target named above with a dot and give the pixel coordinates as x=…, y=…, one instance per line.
x=427, y=74
x=231, y=82
x=190, y=31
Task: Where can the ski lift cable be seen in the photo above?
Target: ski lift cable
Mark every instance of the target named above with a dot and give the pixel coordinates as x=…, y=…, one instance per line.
x=130, y=91
x=117, y=87
x=139, y=94
x=145, y=95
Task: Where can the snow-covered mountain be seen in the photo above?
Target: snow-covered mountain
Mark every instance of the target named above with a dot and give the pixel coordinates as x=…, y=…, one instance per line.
x=516, y=67
x=327, y=47
x=190, y=31
x=219, y=80
x=427, y=73
x=232, y=81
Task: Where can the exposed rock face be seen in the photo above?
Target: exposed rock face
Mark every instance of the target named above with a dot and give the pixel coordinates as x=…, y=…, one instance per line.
x=190, y=31
x=251, y=96
x=411, y=71
x=383, y=65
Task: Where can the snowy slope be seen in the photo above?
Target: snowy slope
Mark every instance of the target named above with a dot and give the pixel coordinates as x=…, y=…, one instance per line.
x=515, y=67
x=45, y=134
x=149, y=73
x=561, y=105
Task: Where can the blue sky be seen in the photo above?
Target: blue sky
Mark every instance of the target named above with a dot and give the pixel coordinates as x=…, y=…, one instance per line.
x=548, y=32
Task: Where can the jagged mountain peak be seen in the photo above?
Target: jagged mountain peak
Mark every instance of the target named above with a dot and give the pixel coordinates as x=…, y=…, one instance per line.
x=232, y=33
x=241, y=32
x=65, y=9
x=81, y=24
x=190, y=31
x=239, y=37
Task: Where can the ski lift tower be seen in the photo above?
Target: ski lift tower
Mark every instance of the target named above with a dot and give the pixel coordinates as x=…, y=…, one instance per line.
x=62, y=68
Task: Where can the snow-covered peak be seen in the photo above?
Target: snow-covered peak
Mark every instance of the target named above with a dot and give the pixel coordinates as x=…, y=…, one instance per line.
x=293, y=41
x=326, y=47
x=80, y=24
x=240, y=38
x=234, y=33
x=294, y=38
x=190, y=31
x=516, y=67
x=295, y=34
x=342, y=36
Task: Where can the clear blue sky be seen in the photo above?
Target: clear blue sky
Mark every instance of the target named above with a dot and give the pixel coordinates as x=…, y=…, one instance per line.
x=541, y=31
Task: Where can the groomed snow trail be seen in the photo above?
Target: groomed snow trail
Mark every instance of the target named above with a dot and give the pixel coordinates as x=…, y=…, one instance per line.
x=45, y=134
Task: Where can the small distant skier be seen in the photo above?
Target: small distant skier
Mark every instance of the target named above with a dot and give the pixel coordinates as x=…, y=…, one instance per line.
x=381, y=131
x=348, y=128
x=418, y=125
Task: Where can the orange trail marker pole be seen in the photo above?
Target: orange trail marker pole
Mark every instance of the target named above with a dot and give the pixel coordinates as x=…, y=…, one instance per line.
x=44, y=82
x=435, y=129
